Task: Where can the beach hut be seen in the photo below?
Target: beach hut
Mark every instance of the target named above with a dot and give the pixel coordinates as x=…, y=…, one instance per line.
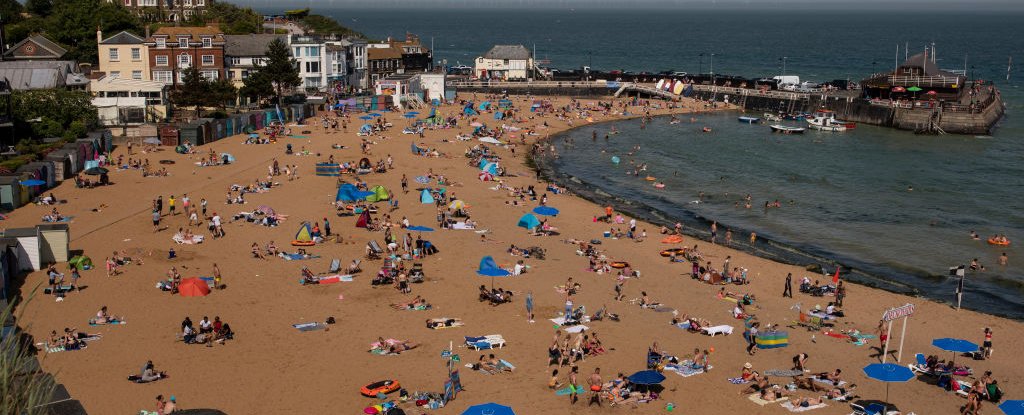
x=10, y=193
x=191, y=133
x=169, y=135
x=528, y=221
x=229, y=127
x=87, y=149
x=28, y=247
x=364, y=219
x=220, y=129
x=46, y=171
x=61, y=165
x=77, y=158
x=206, y=125
x=53, y=242
x=298, y=112
x=8, y=265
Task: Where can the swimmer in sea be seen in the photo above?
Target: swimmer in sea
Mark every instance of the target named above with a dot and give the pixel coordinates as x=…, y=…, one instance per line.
x=910, y=188
x=975, y=236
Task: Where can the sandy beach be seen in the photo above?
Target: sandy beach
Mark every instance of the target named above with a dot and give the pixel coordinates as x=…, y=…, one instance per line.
x=272, y=368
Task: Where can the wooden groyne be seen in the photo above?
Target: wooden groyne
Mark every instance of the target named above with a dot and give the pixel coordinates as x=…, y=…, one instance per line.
x=940, y=118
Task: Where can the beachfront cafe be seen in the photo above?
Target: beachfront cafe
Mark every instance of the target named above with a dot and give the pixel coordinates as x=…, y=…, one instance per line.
x=918, y=79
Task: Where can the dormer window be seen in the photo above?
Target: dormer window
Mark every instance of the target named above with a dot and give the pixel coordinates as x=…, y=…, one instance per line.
x=161, y=42
x=207, y=42
x=182, y=42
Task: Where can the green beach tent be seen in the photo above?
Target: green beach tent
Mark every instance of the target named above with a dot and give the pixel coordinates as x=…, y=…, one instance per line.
x=81, y=262
x=379, y=194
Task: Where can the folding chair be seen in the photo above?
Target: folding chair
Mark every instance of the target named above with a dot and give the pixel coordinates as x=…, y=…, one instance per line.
x=335, y=266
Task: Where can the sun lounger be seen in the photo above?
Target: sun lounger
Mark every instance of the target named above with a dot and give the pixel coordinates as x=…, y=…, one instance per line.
x=310, y=326
x=871, y=409
x=712, y=331
x=756, y=398
x=570, y=329
x=789, y=406
x=491, y=341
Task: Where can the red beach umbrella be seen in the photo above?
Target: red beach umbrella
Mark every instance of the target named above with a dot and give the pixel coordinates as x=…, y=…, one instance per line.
x=899, y=89
x=193, y=287
x=932, y=93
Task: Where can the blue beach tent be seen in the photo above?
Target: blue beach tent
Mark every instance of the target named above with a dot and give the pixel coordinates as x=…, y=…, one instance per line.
x=426, y=197
x=528, y=221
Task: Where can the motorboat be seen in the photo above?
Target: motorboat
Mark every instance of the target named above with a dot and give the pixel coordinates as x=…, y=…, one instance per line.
x=749, y=120
x=825, y=120
x=785, y=129
x=772, y=117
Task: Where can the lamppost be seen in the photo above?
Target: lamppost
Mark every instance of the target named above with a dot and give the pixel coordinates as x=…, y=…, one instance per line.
x=712, y=69
x=784, y=65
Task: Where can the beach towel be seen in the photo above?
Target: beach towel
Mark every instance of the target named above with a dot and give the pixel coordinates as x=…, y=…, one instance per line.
x=109, y=323
x=791, y=408
x=310, y=326
x=329, y=279
x=722, y=329
x=756, y=398
x=568, y=390
x=685, y=370
x=572, y=329
x=65, y=219
x=738, y=381
x=828, y=382
x=296, y=257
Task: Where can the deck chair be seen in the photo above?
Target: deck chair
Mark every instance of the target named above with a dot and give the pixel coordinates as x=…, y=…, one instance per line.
x=374, y=251
x=416, y=273
x=872, y=409
x=335, y=266
x=354, y=268
x=812, y=323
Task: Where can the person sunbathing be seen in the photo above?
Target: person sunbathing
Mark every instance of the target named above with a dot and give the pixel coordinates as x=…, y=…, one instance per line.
x=272, y=248
x=256, y=252
x=808, y=384
x=773, y=394
x=759, y=383
x=646, y=302
x=841, y=394
x=834, y=377
x=806, y=402
x=103, y=318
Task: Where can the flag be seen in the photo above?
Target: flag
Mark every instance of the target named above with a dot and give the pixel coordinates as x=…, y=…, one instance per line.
x=835, y=278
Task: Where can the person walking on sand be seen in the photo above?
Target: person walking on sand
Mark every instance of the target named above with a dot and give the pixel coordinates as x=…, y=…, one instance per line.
x=529, y=306
x=573, y=385
x=156, y=221
x=595, y=383
x=160, y=204
x=788, y=290
x=170, y=206
x=986, y=346
x=752, y=338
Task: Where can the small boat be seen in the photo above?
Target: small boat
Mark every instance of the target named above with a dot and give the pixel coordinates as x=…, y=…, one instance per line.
x=772, y=117
x=785, y=129
x=825, y=120
x=749, y=120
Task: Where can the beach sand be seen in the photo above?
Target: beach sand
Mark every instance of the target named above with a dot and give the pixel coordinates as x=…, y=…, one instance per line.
x=271, y=368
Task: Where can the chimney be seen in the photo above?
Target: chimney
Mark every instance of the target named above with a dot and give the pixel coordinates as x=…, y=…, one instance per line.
x=147, y=31
x=99, y=35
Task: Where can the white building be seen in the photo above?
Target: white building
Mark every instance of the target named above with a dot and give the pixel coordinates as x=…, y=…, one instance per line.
x=357, y=60
x=128, y=102
x=505, y=63
x=310, y=54
x=243, y=53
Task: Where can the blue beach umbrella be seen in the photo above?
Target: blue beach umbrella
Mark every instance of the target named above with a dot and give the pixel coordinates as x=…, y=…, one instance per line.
x=366, y=117
x=646, y=377
x=545, y=210
x=955, y=345
x=488, y=409
x=374, y=114
x=413, y=113
x=420, y=229
x=33, y=182
x=1015, y=407
x=888, y=373
x=489, y=268
x=409, y=115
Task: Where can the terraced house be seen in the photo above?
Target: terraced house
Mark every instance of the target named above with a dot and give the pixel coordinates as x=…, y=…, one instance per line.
x=174, y=49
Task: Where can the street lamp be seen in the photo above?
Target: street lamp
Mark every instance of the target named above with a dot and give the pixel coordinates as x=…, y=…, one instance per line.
x=784, y=65
x=712, y=69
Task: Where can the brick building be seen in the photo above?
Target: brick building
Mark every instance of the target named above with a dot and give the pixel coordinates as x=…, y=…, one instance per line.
x=174, y=49
x=164, y=10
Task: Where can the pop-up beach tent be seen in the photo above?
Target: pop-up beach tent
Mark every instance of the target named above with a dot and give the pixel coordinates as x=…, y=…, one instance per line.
x=81, y=262
x=349, y=193
x=379, y=194
x=490, y=167
x=416, y=150
x=528, y=221
x=304, y=235
x=426, y=197
x=364, y=220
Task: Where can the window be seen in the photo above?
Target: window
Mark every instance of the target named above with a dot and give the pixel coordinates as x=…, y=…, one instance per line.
x=163, y=76
x=184, y=60
x=207, y=42
x=245, y=74
x=313, y=51
x=188, y=3
x=161, y=42
x=137, y=75
x=127, y=3
x=116, y=74
x=207, y=60
x=136, y=54
x=297, y=52
x=312, y=67
x=236, y=61
x=113, y=54
x=210, y=75
x=161, y=60
x=182, y=42
x=312, y=82
x=200, y=3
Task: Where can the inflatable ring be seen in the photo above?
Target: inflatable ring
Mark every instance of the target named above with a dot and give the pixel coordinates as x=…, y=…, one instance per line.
x=303, y=243
x=673, y=239
x=619, y=264
x=651, y=178
x=384, y=386
x=659, y=185
x=995, y=242
x=668, y=252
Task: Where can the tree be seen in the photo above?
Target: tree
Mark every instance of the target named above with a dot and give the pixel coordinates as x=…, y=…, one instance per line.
x=10, y=11
x=233, y=20
x=256, y=87
x=279, y=72
x=194, y=90
x=316, y=23
x=73, y=23
x=222, y=91
x=42, y=113
x=39, y=7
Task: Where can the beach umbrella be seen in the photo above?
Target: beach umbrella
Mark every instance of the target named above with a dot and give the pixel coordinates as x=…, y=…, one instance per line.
x=914, y=89
x=646, y=377
x=1015, y=407
x=33, y=182
x=457, y=204
x=955, y=345
x=374, y=114
x=96, y=171
x=420, y=229
x=888, y=373
x=366, y=117
x=193, y=287
x=152, y=140
x=899, y=89
x=932, y=93
x=545, y=210
x=488, y=409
